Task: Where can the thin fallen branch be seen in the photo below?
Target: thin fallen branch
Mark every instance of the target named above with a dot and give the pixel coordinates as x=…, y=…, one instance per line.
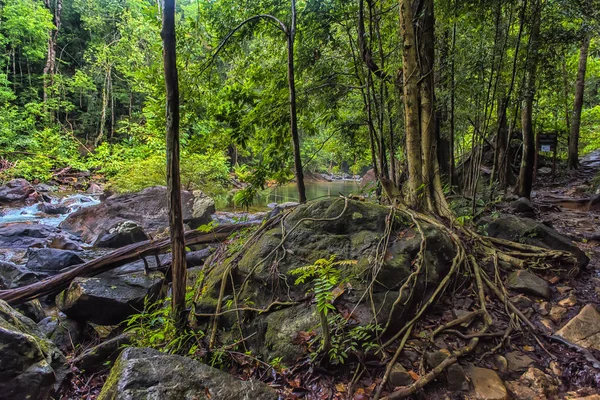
x=117, y=258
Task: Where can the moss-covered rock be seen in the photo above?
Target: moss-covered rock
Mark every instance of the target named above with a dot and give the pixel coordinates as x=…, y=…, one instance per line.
x=141, y=374
x=532, y=232
x=317, y=230
x=31, y=366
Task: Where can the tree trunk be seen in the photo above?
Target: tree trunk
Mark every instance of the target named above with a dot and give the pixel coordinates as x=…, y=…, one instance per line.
x=178, y=265
x=526, y=172
x=50, y=66
x=293, y=115
x=411, y=75
x=573, y=161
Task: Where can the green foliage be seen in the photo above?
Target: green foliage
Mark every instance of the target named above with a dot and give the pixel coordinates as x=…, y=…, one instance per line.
x=325, y=277
x=208, y=172
x=346, y=341
x=155, y=327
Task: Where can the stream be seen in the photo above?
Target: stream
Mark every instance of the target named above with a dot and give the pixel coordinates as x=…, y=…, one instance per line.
x=34, y=213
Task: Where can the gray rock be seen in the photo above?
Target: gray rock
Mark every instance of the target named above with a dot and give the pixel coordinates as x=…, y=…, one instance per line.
x=518, y=362
x=584, y=328
x=147, y=208
x=51, y=261
x=65, y=333
x=202, y=208
x=535, y=233
x=487, y=385
x=32, y=309
x=108, y=300
x=102, y=356
x=457, y=378
x=353, y=236
x=122, y=234
x=399, y=376
x=525, y=281
x=64, y=242
x=435, y=358
x=22, y=236
x=523, y=206
x=54, y=209
x=17, y=191
x=31, y=366
x=142, y=374
x=13, y=276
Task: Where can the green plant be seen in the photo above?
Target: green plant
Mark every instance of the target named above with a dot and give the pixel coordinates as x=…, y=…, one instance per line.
x=325, y=277
x=155, y=327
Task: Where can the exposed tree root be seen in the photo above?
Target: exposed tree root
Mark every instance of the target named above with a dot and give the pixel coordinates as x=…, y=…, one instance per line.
x=475, y=257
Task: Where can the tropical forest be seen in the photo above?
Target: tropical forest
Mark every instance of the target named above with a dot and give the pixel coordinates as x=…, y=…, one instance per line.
x=299, y=199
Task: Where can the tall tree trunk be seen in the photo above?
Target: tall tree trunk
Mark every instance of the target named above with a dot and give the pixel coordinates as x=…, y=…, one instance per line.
x=566, y=94
x=178, y=265
x=526, y=172
x=50, y=66
x=573, y=161
x=451, y=166
x=411, y=75
x=293, y=115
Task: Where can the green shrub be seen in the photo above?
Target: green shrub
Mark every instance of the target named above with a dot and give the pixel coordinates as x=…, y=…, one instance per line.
x=208, y=172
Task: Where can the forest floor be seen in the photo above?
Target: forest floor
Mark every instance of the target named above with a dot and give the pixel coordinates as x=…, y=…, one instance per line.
x=566, y=372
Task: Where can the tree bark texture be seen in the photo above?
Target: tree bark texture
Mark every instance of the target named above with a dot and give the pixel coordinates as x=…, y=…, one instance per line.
x=573, y=161
x=527, y=162
x=178, y=265
x=293, y=114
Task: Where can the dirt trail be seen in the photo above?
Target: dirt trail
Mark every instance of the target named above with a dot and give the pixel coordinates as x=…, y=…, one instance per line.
x=564, y=204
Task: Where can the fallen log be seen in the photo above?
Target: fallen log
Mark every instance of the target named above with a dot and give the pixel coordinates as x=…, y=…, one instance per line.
x=117, y=258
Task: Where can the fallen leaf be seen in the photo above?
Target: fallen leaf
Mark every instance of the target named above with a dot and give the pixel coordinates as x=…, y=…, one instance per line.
x=414, y=375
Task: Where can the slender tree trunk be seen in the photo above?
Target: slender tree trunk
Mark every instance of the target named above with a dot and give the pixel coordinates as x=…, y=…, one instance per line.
x=451, y=167
x=104, y=107
x=293, y=115
x=50, y=66
x=411, y=75
x=178, y=264
x=526, y=172
x=573, y=161
x=566, y=94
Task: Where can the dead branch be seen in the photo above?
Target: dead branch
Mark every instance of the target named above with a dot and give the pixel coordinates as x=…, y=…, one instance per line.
x=117, y=258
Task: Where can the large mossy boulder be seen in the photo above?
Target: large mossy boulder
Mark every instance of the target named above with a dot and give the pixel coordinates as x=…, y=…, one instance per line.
x=147, y=208
x=30, y=364
x=142, y=374
x=109, y=300
x=318, y=230
x=532, y=232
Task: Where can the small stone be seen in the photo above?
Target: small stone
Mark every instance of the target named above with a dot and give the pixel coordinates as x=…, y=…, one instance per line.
x=563, y=289
x=542, y=383
x=518, y=362
x=521, y=301
x=557, y=312
x=569, y=301
x=548, y=324
x=501, y=363
x=456, y=377
x=435, y=358
x=542, y=308
x=527, y=282
x=487, y=385
x=399, y=376
x=584, y=328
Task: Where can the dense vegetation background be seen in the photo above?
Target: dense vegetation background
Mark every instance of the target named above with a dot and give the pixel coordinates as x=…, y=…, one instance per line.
x=81, y=85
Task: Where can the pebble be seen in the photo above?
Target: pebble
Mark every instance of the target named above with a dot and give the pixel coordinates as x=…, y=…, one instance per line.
x=569, y=301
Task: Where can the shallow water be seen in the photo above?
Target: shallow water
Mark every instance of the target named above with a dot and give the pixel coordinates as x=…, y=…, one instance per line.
x=33, y=214
x=289, y=192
